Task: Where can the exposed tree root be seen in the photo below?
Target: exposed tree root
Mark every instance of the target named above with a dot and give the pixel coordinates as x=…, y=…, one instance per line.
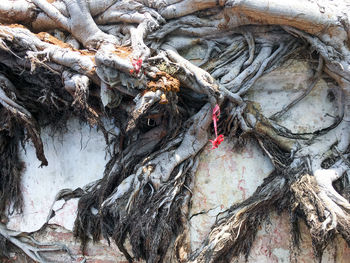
x=315, y=79
x=24, y=117
x=28, y=245
x=134, y=71
x=325, y=210
x=146, y=204
x=11, y=134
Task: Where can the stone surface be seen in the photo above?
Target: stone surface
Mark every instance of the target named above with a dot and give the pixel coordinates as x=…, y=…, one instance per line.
x=75, y=158
x=225, y=176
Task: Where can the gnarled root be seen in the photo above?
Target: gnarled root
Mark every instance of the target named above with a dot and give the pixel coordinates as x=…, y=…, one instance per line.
x=28, y=244
x=326, y=212
x=147, y=199
x=78, y=86
x=146, y=183
x=234, y=233
x=24, y=117
x=11, y=134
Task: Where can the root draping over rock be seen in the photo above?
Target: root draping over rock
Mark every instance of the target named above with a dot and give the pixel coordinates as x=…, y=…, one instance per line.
x=126, y=60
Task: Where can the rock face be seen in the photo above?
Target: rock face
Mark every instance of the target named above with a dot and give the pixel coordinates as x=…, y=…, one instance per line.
x=79, y=144
x=225, y=176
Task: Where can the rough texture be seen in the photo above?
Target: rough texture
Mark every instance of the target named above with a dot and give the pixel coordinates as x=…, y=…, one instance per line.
x=163, y=96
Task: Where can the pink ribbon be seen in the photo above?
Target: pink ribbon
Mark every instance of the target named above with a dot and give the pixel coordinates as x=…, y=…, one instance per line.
x=137, y=64
x=218, y=139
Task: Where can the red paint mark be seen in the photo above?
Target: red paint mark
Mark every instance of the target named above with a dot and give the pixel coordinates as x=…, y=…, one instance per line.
x=243, y=189
x=205, y=201
x=232, y=165
x=277, y=236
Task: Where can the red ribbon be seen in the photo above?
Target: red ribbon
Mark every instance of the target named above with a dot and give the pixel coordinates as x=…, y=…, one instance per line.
x=218, y=139
x=137, y=64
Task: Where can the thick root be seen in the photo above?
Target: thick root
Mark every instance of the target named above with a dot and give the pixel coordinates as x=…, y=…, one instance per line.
x=29, y=245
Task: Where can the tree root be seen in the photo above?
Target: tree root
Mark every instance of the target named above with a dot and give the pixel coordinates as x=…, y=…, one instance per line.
x=195, y=78
x=313, y=83
x=79, y=23
x=235, y=232
x=29, y=245
x=154, y=191
x=11, y=134
x=78, y=86
x=193, y=141
x=24, y=117
x=325, y=210
x=146, y=187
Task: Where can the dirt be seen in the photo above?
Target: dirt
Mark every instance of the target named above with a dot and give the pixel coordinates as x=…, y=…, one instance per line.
x=163, y=81
x=46, y=37
x=123, y=52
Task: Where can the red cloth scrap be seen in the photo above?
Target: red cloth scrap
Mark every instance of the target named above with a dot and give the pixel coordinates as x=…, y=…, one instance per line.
x=218, y=138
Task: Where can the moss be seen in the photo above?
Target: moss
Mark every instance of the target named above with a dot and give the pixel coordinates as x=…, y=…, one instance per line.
x=169, y=69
